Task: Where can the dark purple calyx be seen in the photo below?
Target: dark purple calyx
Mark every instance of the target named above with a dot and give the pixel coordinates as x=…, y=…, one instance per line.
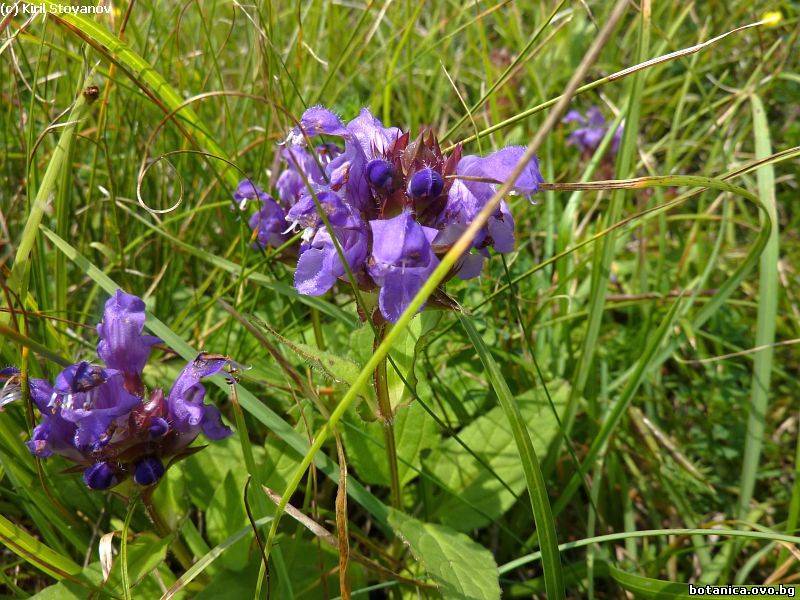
x=425, y=183
x=148, y=471
x=380, y=174
x=100, y=476
x=158, y=428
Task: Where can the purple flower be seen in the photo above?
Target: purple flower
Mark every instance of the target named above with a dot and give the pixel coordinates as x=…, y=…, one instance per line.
x=416, y=199
x=365, y=138
x=301, y=163
x=402, y=259
x=122, y=345
x=320, y=266
x=269, y=222
x=593, y=130
x=186, y=410
x=101, y=416
x=472, y=192
x=305, y=214
x=247, y=191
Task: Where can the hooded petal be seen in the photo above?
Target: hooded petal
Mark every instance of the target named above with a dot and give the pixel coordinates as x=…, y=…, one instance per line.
x=41, y=394
x=247, y=190
x=320, y=266
x=318, y=120
x=374, y=138
x=499, y=165
x=122, y=345
x=82, y=377
x=402, y=260
x=94, y=412
x=185, y=402
x=305, y=211
x=289, y=186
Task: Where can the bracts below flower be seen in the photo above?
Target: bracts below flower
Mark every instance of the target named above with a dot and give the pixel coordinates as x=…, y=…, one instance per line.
x=395, y=205
x=105, y=420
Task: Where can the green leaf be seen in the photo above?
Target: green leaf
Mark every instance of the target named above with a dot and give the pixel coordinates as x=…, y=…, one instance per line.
x=491, y=438
x=226, y=513
x=414, y=431
x=206, y=471
x=768, y=292
x=145, y=553
x=403, y=354
x=402, y=380
x=460, y=567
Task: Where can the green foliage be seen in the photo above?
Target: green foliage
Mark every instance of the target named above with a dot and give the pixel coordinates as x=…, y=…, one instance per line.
x=460, y=567
x=471, y=497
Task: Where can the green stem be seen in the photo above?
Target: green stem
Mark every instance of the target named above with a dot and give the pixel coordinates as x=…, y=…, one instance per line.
x=317, y=325
x=387, y=420
x=181, y=552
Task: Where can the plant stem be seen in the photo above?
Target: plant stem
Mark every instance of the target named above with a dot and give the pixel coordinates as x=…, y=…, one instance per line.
x=387, y=420
x=181, y=552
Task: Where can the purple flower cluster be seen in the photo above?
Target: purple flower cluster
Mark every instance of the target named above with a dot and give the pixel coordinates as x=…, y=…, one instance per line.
x=592, y=130
x=395, y=204
x=102, y=417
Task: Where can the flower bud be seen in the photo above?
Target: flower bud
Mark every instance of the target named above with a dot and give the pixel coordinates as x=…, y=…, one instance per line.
x=100, y=476
x=425, y=183
x=158, y=428
x=380, y=173
x=148, y=471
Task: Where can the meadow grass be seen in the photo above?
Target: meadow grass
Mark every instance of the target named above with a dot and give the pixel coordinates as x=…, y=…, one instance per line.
x=611, y=410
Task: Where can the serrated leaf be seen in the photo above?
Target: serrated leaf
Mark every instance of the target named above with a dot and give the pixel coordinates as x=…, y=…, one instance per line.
x=460, y=567
x=341, y=370
x=491, y=438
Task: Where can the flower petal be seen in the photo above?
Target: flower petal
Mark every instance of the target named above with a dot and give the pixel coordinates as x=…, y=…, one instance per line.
x=122, y=345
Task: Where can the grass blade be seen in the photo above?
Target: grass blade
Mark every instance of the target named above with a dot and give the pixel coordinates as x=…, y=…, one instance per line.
x=540, y=503
x=767, y=310
x=36, y=553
